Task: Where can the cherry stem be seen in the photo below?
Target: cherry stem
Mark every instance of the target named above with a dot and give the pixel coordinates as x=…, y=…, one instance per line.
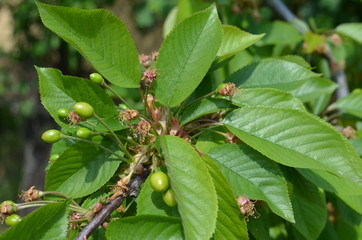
x=98, y=145
x=120, y=144
x=116, y=94
x=197, y=99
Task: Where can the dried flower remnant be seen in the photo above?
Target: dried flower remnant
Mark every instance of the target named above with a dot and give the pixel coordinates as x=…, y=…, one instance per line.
x=149, y=76
x=31, y=195
x=228, y=89
x=127, y=115
x=74, y=118
x=143, y=128
x=246, y=206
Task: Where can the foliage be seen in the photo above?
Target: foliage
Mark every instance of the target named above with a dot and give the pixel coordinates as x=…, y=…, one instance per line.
x=249, y=158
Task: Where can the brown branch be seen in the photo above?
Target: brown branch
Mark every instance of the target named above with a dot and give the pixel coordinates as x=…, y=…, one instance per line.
x=106, y=211
x=338, y=74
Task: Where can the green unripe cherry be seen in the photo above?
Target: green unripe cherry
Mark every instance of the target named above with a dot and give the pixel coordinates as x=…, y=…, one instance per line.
x=11, y=203
x=169, y=198
x=84, y=133
x=96, y=78
x=83, y=110
x=12, y=220
x=51, y=136
x=63, y=112
x=122, y=106
x=159, y=181
x=54, y=157
x=220, y=86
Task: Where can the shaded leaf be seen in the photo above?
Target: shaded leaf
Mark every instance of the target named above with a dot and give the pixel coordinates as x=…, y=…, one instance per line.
x=203, y=107
x=100, y=37
x=314, y=88
x=186, y=55
x=280, y=33
x=81, y=170
x=145, y=227
x=255, y=176
x=309, y=205
x=353, y=201
x=207, y=140
x=229, y=222
x=273, y=73
x=194, y=190
x=49, y=222
x=351, y=104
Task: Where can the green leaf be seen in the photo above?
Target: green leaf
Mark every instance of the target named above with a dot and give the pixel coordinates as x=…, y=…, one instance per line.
x=61, y=91
x=351, y=104
x=81, y=170
x=255, y=176
x=295, y=59
x=145, y=228
x=297, y=139
x=203, y=107
x=100, y=37
x=314, y=88
x=274, y=73
x=353, y=201
x=150, y=202
x=351, y=30
x=187, y=7
x=186, y=55
x=229, y=222
x=280, y=33
x=266, y=97
x=194, y=190
x=112, y=122
x=309, y=205
x=234, y=40
x=170, y=22
x=207, y=140
x=357, y=144
x=46, y=223
x=330, y=181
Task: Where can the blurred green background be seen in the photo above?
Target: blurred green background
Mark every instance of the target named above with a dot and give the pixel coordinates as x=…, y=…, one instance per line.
x=25, y=42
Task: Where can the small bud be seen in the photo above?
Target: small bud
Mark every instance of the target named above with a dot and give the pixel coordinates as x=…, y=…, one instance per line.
x=97, y=207
x=175, y=126
x=121, y=209
x=336, y=39
x=349, y=132
x=144, y=60
x=154, y=55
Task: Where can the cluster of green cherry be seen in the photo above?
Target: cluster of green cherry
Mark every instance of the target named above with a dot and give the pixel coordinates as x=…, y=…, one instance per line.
x=160, y=183
x=8, y=209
